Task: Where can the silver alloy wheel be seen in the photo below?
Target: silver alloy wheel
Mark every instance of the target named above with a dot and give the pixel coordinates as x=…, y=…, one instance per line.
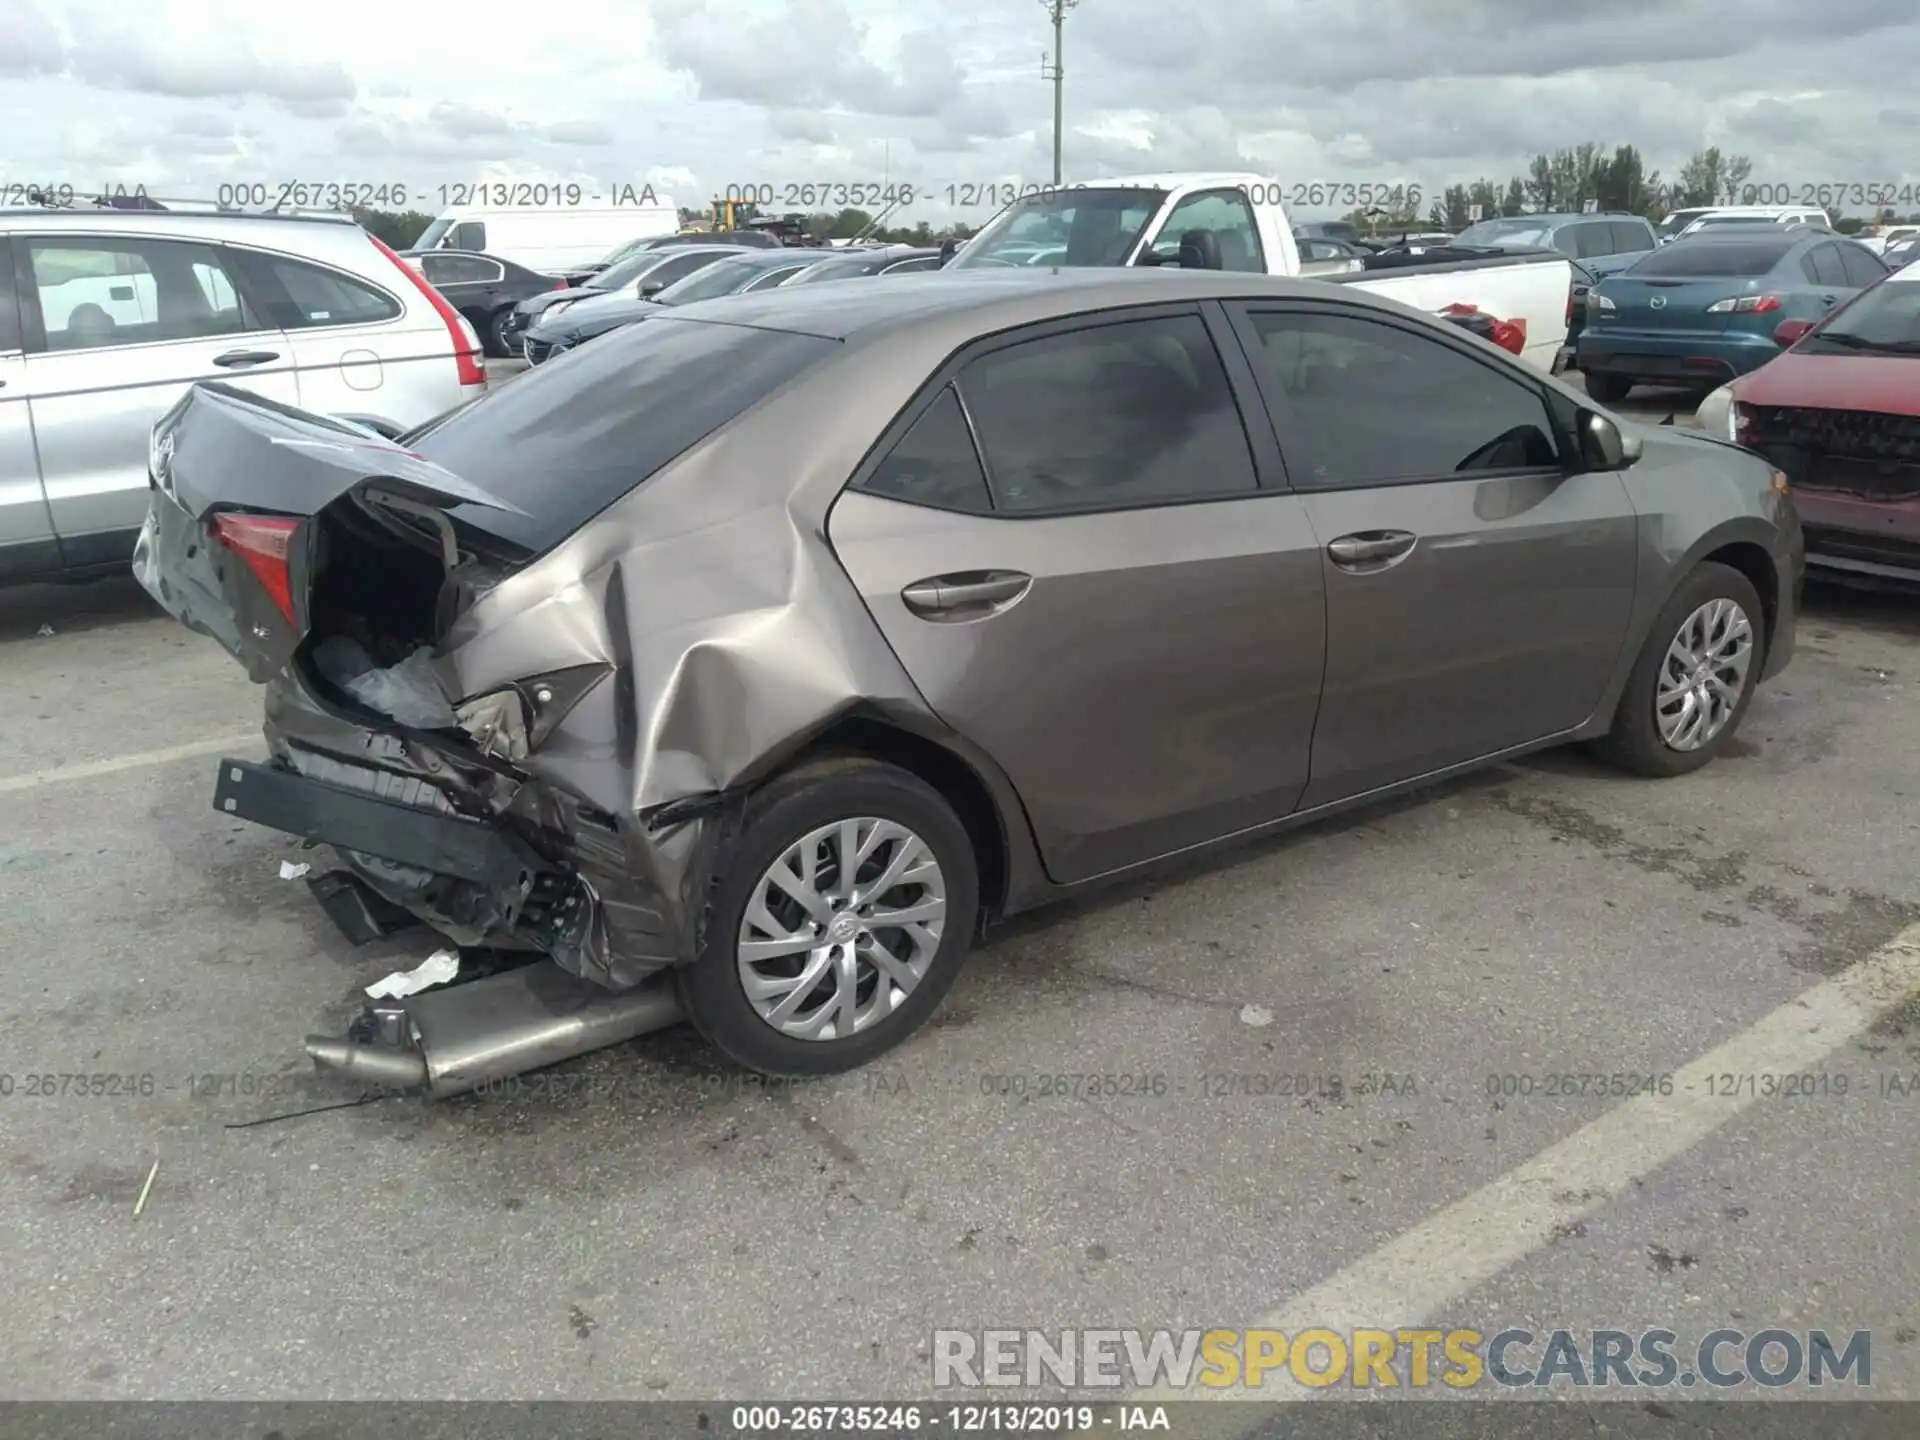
x=841, y=928
x=1704, y=675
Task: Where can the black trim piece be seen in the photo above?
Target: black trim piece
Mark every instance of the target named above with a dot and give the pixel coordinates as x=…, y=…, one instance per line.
x=10, y=327
x=282, y=800
x=25, y=561
x=101, y=548
x=1446, y=267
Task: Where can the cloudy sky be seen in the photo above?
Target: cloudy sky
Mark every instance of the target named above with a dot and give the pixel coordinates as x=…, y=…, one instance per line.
x=183, y=96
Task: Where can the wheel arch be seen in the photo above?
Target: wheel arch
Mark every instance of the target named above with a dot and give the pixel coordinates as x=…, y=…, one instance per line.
x=1742, y=545
x=987, y=808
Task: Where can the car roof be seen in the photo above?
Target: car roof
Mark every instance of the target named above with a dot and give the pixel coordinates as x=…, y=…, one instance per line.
x=994, y=298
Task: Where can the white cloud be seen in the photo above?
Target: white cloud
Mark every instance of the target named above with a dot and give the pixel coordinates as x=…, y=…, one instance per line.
x=711, y=92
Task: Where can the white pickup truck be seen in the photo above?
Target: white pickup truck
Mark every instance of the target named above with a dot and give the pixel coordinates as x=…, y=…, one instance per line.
x=1146, y=220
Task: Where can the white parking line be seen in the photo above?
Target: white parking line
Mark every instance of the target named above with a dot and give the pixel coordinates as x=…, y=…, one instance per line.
x=53, y=776
x=1450, y=1253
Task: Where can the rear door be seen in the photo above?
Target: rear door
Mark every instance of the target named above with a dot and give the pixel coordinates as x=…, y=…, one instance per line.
x=1478, y=589
x=1099, y=592
x=118, y=327
x=360, y=351
x=26, y=528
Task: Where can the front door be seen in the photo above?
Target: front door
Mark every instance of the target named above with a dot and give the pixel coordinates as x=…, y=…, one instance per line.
x=1479, y=586
x=118, y=327
x=26, y=530
x=1113, y=608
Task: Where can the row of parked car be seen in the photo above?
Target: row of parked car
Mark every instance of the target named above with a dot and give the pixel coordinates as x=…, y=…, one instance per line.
x=521, y=312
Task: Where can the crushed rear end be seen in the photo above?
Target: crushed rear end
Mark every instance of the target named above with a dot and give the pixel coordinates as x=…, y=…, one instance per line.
x=341, y=569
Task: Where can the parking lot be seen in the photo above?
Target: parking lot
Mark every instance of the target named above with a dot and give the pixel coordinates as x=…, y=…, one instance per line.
x=1328, y=1013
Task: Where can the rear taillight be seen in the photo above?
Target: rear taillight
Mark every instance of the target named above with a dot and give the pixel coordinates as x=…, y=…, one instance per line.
x=1744, y=305
x=1569, y=307
x=561, y=284
x=261, y=542
x=466, y=348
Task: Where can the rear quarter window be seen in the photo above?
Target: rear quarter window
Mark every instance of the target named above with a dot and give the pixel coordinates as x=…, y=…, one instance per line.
x=570, y=437
x=300, y=296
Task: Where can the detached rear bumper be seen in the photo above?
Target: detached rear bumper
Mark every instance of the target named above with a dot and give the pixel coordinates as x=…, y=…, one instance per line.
x=486, y=855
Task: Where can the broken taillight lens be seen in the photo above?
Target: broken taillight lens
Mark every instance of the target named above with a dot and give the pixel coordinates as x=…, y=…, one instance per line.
x=262, y=542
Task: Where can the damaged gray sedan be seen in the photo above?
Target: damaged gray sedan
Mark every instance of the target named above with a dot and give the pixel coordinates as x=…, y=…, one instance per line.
x=745, y=663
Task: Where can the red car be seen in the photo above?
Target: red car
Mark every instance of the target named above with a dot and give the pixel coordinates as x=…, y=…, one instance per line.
x=1839, y=412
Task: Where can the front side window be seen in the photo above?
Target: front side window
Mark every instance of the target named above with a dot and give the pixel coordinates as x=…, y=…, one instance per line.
x=1228, y=216
x=1112, y=416
x=469, y=235
x=773, y=278
x=100, y=292
x=1861, y=266
x=1366, y=403
x=712, y=281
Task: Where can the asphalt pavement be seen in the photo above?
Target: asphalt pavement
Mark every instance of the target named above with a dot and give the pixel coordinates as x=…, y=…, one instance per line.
x=1342, y=1020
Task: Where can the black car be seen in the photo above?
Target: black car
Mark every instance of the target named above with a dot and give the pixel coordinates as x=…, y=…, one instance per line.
x=640, y=275
x=887, y=260
x=484, y=288
x=749, y=270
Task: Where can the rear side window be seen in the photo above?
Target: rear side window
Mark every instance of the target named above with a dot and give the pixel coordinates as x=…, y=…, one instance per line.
x=1861, y=267
x=570, y=437
x=299, y=296
x=1714, y=259
x=1823, y=261
x=1109, y=417
x=95, y=293
x=1628, y=237
x=935, y=462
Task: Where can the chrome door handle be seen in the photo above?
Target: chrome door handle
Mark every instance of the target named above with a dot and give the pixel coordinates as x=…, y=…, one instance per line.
x=234, y=359
x=965, y=595
x=1370, y=547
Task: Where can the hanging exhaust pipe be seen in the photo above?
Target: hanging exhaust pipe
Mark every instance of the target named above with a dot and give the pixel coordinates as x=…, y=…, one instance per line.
x=467, y=1036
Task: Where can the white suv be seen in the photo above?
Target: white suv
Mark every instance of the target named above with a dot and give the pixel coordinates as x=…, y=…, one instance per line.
x=108, y=316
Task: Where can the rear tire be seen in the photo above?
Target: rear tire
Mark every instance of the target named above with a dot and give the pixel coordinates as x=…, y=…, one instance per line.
x=1609, y=389
x=876, y=984
x=1649, y=735
x=494, y=334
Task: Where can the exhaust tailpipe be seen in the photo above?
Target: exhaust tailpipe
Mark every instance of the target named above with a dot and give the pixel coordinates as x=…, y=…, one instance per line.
x=467, y=1036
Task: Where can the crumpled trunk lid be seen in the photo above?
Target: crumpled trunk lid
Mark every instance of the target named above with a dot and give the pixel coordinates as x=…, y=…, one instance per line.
x=221, y=452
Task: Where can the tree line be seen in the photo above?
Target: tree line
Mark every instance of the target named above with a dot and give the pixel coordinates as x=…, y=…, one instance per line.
x=1569, y=180
x=401, y=229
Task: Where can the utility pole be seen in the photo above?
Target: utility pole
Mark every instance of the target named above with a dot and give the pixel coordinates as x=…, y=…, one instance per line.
x=1056, y=72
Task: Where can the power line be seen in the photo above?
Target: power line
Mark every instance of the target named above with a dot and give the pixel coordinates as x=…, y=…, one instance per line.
x=1056, y=71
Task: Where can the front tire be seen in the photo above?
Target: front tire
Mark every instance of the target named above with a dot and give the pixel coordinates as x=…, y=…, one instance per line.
x=1609, y=389
x=809, y=965
x=1694, y=679
x=494, y=334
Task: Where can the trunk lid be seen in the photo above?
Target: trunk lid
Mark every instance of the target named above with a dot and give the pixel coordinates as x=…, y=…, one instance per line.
x=234, y=539
x=1676, y=304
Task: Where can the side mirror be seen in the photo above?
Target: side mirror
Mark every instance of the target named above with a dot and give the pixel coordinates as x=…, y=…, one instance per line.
x=1607, y=448
x=1790, y=332
x=948, y=248
x=650, y=289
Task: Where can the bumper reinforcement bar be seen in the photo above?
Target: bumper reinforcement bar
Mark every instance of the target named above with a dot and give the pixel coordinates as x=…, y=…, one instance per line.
x=283, y=800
